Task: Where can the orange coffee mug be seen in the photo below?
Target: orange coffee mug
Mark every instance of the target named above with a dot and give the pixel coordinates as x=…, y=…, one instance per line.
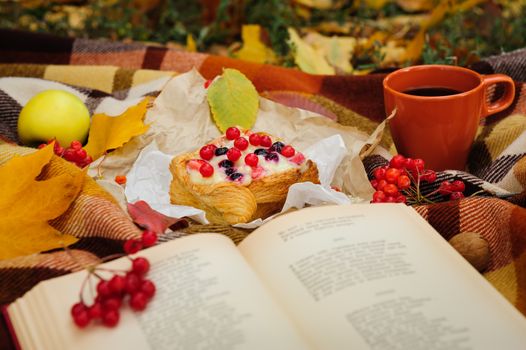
x=438, y=110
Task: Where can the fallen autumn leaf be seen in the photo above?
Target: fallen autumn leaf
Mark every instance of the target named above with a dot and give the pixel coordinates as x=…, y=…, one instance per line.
x=28, y=204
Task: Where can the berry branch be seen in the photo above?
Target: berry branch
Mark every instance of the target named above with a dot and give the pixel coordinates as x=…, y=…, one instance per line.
x=400, y=182
x=129, y=285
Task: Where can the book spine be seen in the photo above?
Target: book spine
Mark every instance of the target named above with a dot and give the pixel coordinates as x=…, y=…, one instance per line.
x=10, y=328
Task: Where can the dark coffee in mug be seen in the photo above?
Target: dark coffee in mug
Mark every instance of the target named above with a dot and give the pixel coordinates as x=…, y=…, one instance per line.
x=431, y=91
x=436, y=111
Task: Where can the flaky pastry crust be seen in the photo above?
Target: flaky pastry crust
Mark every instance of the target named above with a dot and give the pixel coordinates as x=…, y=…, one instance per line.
x=232, y=203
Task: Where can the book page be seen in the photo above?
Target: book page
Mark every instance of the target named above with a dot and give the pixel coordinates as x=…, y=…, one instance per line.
x=207, y=298
x=24, y=327
x=377, y=276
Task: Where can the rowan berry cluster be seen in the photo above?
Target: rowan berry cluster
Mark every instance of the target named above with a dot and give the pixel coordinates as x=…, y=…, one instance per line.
x=113, y=292
x=74, y=153
x=400, y=182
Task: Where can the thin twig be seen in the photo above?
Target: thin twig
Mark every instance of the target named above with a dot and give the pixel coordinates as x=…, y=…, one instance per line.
x=81, y=292
x=99, y=166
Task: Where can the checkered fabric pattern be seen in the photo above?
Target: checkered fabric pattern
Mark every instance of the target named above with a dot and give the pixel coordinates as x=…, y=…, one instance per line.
x=121, y=73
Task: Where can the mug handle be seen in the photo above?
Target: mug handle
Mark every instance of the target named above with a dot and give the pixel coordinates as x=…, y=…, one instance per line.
x=503, y=102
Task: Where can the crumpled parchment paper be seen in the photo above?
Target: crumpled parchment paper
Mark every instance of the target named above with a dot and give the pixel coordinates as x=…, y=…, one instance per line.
x=180, y=122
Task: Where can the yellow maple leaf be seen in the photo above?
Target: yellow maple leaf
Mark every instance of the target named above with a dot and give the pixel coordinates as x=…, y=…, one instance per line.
x=336, y=50
x=307, y=58
x=253, y=48
x=191, y=46
x=392, y=53
x=108, y=133
x=27, y=205
x=414, y=47
x=444, y=7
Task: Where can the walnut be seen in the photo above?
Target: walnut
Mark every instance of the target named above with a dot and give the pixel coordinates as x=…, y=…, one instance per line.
x=473, y=248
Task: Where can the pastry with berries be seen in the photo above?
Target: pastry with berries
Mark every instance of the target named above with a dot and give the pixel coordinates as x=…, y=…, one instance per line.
x=240, y=176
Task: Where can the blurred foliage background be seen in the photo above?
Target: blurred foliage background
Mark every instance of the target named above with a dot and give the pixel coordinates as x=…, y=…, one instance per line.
x=316, y=36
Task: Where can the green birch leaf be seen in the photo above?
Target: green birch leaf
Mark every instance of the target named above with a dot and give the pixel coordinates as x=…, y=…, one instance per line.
x=233, y=100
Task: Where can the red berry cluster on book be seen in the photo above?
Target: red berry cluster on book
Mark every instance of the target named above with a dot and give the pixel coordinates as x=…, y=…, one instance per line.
x=112, y=293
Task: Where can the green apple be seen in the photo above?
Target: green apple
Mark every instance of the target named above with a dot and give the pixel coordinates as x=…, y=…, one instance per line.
x=53, y=114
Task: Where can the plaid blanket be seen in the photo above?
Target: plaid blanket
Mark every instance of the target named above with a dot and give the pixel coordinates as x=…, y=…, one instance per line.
x=121, y=73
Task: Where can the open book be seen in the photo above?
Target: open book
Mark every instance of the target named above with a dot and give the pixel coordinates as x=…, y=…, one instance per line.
x=333, y=277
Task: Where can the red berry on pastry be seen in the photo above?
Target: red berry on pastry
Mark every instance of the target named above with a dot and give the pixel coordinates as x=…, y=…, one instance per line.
x=257, y=172
x=206, y=170
x=288, y=151
x=233, y=154
x=254, y=139
x=241, y=143
x=265, y=141
x=252, y=168
x=251, y=159
x=195, y=164
x=298, y=158
x=232, y=133
x=207, y=152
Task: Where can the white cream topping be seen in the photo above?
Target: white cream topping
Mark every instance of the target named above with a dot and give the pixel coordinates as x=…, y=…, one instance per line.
x=263, y=168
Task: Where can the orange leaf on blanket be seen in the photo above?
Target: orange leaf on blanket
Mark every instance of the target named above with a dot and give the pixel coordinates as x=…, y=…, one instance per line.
x=148, y=218
x=107, y=133
x=27, y=205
